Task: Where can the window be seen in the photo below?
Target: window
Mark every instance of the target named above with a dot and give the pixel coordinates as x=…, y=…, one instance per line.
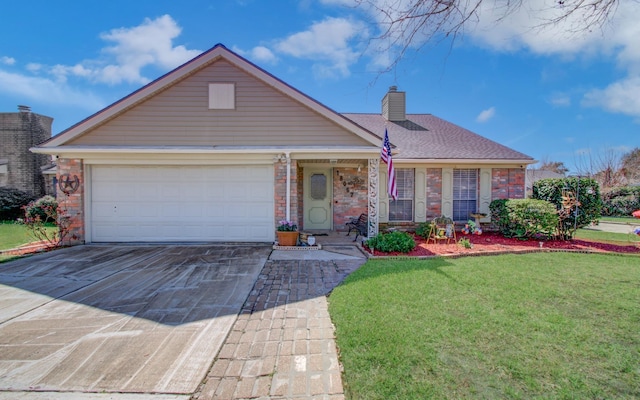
x=402, y=208
x=465, y=193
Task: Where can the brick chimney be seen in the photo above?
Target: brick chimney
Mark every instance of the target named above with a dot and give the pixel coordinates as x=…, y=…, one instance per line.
x=394, y=105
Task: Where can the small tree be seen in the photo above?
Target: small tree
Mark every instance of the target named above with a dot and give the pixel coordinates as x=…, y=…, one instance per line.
x=11, y=203
x=577, y=201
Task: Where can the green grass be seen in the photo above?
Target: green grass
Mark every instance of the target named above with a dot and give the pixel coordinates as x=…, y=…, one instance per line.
x=622, y=220
x=544, y=325
x=610, y=237
x=13, y=235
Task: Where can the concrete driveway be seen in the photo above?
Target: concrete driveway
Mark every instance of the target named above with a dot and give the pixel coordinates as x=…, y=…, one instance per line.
x=120, y=318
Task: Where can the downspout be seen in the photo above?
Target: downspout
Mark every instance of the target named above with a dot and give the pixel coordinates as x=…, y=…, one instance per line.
x=288, y=207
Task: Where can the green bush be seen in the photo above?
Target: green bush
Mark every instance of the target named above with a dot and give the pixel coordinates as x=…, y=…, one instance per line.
x=45, y=208
x=587, y=193
x=423, y=229
x=401, y=242
x=525, y=218
x=621, y=202
x=11, y=203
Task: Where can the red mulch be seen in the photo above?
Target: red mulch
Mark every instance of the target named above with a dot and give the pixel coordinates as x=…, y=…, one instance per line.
x=489, y=243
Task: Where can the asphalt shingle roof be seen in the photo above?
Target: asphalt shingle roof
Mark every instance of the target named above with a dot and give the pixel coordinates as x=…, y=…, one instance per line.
x=425, y=136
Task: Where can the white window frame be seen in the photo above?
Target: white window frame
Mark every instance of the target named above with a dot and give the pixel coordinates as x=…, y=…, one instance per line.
x=465, y=189
x=406, y=184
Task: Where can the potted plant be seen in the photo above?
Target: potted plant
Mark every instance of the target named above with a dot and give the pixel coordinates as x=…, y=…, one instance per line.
x=287, y=233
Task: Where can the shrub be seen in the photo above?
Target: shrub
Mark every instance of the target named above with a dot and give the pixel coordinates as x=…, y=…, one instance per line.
x=525, y=218
x=11, y=203
x=587, y=193
x=45, y=208
x=401, y=242
x=621, y=202
x=423, y=229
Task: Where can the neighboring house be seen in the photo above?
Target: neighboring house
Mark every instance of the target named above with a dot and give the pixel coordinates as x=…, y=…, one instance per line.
x=20, y=168
x=534, y=175
x=220, y=150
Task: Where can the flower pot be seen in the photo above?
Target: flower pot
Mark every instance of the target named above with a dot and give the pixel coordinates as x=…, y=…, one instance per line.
x=287, y=238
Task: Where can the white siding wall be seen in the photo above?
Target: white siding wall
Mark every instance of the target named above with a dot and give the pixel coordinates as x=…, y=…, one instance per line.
x=181, y=116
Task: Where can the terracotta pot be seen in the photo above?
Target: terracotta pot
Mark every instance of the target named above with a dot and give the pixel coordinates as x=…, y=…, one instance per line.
x=287, y=238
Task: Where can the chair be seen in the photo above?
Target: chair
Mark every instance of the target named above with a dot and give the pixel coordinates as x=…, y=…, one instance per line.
x=442, y=228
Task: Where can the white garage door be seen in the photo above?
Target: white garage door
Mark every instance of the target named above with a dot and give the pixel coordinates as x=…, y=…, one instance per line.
x=182, y=203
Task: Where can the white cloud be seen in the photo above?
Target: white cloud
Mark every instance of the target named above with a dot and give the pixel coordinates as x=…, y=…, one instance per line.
x=133, y=49
x=7, y=60
x=619, y=97
x=328, y=42
x=263, y=54
x=560, y=100
x=47, y=91
x=486, y=115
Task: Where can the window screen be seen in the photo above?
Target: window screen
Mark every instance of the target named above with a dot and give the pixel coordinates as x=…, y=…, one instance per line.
x=465, y=193
x=402, y=208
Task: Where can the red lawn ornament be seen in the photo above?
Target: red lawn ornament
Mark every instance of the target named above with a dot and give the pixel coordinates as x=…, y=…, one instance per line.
x=636, y=213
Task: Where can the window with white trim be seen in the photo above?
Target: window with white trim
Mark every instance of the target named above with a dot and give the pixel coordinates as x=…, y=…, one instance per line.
x=402, y=208
x=465, y=193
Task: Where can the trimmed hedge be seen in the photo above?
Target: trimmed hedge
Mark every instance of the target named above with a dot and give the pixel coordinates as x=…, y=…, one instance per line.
x=621, y=201
x=525, y=218
x=587, y=192
x=11, y=203
x=401, y=242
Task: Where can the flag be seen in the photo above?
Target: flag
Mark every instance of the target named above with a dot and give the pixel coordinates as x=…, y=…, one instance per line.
x=385, y=154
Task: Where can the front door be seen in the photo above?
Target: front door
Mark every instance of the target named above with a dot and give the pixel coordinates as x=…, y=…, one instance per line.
x=317, y=198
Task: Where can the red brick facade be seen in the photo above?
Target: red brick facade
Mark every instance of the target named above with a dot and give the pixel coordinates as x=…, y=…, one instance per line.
x=350, y=195
x=434, y=192
x=507, y=183
x=72, y=204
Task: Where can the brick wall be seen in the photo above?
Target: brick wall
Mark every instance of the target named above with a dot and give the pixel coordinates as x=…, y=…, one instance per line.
x=18, y=133
x=507, y=183
x=350, y=195
x=280, y=192
x=434, y=192
x=72, y=204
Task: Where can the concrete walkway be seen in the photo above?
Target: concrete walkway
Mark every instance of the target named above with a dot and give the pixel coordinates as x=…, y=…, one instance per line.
x=614, y=227
x=282, y=344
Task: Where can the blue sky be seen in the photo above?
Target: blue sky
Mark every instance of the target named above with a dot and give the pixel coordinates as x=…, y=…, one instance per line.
x=546, y=93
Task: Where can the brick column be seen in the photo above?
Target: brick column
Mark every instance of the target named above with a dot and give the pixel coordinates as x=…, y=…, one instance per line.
x=280, y=192
x=71, y=204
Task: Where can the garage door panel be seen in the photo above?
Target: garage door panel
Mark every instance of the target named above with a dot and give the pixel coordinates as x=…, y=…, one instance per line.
x=182, y=203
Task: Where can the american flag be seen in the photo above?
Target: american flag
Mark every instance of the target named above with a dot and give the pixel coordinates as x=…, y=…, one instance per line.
x=385, y=154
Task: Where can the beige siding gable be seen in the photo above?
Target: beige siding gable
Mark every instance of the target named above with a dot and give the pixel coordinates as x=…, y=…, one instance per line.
x=180, y=116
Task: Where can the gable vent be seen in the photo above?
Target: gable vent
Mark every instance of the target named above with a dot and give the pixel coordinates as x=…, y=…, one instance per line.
x=394, y=105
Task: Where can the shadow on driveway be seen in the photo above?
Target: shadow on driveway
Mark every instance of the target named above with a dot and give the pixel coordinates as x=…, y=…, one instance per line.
x=120, y=318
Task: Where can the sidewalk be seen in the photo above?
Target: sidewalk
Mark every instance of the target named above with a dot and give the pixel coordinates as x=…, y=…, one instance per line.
x=282, y=344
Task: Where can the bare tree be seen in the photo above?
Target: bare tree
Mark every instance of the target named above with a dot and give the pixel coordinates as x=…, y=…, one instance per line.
x=605, y=167
x=413, y=23
x=631, y=166
x=555, y=166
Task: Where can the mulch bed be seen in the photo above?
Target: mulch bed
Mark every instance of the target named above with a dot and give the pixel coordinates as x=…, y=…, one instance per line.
x=492, y=243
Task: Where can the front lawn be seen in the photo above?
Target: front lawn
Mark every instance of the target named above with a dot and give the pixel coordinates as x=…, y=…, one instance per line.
x=608, y=237
x=543, y=325
x=13, y=235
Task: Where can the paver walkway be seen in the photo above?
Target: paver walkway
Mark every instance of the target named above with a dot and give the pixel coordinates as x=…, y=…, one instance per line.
x=282, y=344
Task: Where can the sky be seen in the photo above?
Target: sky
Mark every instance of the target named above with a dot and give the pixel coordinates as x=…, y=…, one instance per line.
x=552, y=94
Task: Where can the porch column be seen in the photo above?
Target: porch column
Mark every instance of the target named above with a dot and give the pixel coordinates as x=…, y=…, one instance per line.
x=374, y=183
